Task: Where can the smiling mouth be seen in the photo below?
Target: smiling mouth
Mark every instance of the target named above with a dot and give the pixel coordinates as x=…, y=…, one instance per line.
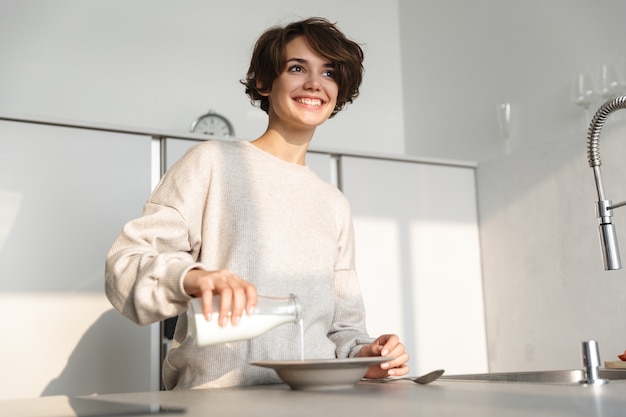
x=310, y=101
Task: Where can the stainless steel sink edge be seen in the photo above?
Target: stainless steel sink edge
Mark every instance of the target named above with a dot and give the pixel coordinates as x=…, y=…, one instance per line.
x=572, y=376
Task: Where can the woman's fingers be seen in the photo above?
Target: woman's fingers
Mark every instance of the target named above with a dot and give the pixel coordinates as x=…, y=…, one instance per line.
x=236, y=294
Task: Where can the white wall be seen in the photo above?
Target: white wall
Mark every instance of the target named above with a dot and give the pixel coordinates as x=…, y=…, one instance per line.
x=545, y=287
x=461, y=58
x=435, y=70
x=160, y=64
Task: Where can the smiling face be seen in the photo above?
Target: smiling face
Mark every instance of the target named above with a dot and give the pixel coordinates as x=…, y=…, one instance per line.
x=304, y=95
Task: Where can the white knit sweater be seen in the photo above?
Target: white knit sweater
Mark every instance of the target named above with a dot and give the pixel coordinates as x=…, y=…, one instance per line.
x=230, y=205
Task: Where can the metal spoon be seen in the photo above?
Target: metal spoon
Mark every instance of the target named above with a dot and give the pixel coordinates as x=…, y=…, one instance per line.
x=428, y=378
x=423, y=379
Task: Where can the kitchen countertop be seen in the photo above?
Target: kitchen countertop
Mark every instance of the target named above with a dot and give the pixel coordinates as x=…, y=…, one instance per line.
x=400, y=398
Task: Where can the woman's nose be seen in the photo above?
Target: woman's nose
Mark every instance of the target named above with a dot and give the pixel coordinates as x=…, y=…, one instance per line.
x=312, y=82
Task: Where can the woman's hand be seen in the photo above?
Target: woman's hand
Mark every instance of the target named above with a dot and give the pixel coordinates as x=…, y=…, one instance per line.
x=386, y=345
x=236, y=295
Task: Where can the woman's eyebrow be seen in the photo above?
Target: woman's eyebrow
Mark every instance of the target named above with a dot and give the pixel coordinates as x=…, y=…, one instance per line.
x=304, y=61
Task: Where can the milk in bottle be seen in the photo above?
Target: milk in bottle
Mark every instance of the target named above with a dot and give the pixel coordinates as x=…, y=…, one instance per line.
x=269, y=313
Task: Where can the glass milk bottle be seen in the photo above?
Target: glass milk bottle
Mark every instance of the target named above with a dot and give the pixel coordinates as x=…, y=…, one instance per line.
x=269, y=313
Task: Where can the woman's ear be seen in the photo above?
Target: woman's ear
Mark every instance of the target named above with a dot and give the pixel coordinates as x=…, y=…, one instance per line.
x=262, y=91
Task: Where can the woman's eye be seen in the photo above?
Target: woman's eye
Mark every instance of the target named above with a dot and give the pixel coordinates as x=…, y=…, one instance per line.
x=295, y=68
x=329, y=73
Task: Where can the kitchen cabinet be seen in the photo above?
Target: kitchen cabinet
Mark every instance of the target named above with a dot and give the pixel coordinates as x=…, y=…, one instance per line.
x=418, y=258
x=64, y=195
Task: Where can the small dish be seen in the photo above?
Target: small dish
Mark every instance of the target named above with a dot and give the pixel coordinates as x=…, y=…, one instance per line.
x=322, y=374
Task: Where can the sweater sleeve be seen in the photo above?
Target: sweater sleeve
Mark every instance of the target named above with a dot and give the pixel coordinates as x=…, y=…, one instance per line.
x=348, y=330
x=145, y=266
x=148, y=260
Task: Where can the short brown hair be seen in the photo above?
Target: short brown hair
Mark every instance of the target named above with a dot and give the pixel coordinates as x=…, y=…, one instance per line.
x=268, y=59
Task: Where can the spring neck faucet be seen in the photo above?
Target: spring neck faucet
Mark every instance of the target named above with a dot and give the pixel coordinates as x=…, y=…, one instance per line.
x=604, y=207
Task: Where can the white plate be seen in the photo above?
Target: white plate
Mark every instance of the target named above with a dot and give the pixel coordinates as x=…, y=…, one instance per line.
x=322, y=374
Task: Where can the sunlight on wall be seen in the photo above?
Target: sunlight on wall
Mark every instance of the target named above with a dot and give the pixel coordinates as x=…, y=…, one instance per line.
x=448, y=295
x=428, y=290
x=381, y=281
x=10, y=203
x=67, y=344
x=48, y=325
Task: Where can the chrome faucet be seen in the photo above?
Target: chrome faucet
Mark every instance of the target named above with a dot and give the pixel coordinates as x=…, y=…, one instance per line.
x=591, y=363
x=604, y=207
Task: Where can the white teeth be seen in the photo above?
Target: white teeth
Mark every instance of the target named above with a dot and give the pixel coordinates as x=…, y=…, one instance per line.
x=310, y=101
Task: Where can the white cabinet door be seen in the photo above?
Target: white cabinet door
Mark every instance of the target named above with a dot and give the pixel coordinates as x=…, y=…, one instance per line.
x=64, y=196
x=418, y=258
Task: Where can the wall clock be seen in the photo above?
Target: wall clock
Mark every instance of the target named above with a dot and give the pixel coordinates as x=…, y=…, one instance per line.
x=213, y=124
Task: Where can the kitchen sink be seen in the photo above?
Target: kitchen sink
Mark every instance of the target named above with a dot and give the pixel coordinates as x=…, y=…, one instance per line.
x=546, y=377
x=591, y=374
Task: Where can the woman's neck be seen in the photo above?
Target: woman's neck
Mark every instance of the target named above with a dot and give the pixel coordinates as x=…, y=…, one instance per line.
x=291, y=148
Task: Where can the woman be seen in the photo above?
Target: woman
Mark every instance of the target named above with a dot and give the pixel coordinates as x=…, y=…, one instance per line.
x=239, y=218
